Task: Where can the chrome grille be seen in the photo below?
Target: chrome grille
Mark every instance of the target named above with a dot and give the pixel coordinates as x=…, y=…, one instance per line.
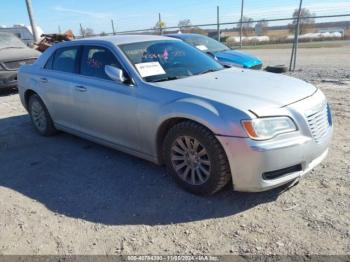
x=319, y=123
x=14, y=65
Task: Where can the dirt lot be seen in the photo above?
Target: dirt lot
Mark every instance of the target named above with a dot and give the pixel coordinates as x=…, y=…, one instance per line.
x=64, y=195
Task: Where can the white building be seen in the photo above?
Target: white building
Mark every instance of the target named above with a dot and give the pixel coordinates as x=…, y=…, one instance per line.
x=333, y=30
x=23, y=32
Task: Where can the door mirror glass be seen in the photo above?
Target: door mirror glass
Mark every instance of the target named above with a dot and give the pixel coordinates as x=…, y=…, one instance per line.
x=115, y=73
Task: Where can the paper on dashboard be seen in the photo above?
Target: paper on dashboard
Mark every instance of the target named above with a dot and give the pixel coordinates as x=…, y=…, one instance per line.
x=202, y=47
x=150, y=69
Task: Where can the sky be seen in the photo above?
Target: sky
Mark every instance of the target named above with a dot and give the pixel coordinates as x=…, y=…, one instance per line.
x=142, y=14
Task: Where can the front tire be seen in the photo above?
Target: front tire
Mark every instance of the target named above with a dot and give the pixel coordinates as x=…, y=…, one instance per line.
x=40, y=117
x=196, y=159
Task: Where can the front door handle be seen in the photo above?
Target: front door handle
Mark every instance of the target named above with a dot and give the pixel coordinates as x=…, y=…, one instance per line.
x=44, y=80
x=81, y=88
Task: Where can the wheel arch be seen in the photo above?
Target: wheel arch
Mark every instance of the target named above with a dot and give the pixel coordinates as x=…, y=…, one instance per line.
x=166, y=125
x=27, y=95
x=217, y=118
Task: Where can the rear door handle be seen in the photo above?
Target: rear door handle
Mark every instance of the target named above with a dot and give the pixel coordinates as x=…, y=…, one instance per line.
x=81, y=88
x=44, y=80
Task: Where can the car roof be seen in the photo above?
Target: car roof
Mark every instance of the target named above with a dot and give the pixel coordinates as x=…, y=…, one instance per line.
x=128, y=39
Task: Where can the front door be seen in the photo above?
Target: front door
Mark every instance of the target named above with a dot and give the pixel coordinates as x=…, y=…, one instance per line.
x=107, y=109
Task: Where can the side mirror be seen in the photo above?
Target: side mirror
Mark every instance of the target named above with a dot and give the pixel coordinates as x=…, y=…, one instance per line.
x=115, y=73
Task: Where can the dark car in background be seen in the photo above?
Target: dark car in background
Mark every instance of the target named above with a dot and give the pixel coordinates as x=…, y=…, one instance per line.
x=221, y=52
x=13, y=54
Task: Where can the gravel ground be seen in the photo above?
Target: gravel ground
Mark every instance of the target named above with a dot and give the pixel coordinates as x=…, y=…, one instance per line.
x=65, y=195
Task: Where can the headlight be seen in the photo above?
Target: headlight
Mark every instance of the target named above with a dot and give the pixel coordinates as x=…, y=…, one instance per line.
x=267, y=128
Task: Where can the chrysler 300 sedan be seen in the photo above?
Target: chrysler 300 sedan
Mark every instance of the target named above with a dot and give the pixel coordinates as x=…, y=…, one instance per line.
x=163, y=100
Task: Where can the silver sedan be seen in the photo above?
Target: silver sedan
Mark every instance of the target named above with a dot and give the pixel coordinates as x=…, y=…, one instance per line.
x=163, y=100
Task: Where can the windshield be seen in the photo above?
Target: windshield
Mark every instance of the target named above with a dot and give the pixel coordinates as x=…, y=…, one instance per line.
x=168, y=60
x=10, y=40
x=204, y=43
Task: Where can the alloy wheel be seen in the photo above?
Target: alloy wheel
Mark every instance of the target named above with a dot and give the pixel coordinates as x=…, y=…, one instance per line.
x=190, y=160
x=38, y=116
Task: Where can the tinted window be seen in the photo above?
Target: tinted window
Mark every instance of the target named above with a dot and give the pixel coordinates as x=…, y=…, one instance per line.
x=65, y=60
x=95, y=59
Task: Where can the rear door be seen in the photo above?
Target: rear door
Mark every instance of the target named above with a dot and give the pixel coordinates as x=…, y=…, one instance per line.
x=59, y=84
x=107, y=109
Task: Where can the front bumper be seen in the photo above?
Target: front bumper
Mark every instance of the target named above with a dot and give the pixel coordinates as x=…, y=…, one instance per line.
x=284, y=158
x=8, y=79
x=249, y=160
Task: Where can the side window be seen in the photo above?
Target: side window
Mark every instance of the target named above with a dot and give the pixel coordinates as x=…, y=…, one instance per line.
x=66, y=60
x=94, y=60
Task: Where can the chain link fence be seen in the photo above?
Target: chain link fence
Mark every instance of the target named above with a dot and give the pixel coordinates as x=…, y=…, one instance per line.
x=302, y=28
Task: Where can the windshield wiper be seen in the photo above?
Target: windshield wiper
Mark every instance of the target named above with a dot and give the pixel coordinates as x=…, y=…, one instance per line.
x=207, y=71
x=166, y=79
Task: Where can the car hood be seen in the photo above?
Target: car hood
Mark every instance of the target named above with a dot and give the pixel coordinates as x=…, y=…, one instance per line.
x=236, y=57
x=243, y=89
x=15, y=54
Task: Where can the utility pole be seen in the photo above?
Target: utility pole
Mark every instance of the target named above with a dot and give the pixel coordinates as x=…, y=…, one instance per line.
x=293, y=59
x=241, y=31
x=82, y=31
x=113, y=29
x=218, y=22
x=160, y=24
x=32, y=21
x=59, y=30
x=297, y=35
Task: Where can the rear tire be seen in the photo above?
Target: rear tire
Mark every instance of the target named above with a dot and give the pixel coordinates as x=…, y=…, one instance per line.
x=196, y=159
x=40, y=117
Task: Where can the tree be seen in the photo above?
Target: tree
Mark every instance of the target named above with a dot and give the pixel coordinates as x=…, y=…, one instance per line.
x=261, y=27
x=247, y=25
x=103, y=34
x=159, y=25
x=87, y=32
x=185, y=25
x=305, y=20
x=69, y=34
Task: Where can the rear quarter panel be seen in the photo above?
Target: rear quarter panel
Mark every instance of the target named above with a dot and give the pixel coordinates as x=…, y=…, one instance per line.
x=25, y=81
x=28, y=76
